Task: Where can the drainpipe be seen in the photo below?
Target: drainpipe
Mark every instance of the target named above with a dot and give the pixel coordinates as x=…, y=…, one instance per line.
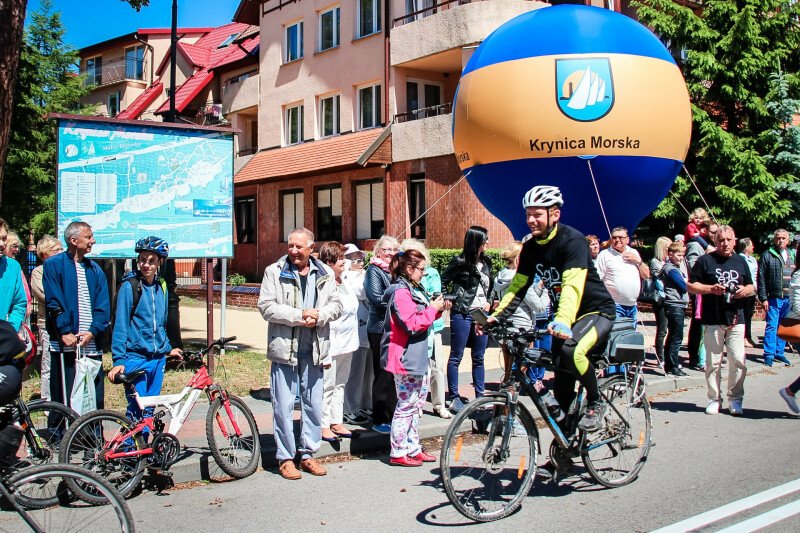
x=386, y=66
x=152, y=55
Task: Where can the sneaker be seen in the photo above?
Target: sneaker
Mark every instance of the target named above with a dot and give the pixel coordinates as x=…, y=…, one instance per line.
x=456, y=405
x=424, y=457
x=736, y=408
x=783, y=359
x=548, y=470
x=713, y=407
x=404, y=461
x=790, y=400
x=355, y=419
x=442, y=412
x=383, y=429
x=592, y=419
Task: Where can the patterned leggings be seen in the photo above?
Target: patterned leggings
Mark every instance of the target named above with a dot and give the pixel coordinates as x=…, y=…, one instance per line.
x=411, y=393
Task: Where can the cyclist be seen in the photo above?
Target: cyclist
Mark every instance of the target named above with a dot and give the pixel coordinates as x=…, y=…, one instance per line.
x=139, y=340
x=12, y=352
x=584, y=310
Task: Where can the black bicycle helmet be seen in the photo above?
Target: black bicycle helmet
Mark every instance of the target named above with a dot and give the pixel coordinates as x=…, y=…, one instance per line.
x=154, y=244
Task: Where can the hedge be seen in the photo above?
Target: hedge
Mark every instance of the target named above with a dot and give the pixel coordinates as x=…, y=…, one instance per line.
x=440, y=257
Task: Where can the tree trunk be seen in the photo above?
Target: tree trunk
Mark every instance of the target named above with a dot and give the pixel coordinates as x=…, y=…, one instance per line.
x=12, y=22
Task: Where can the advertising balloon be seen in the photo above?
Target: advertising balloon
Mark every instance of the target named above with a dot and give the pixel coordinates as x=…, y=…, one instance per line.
x=578, y=97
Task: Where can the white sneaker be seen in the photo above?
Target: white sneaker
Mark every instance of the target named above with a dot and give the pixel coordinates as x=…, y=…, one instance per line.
x=443, y=412
x=712, y=408
x=791, y=401
x=736, y=408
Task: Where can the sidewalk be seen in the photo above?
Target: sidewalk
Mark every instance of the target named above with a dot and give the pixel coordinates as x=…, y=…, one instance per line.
x=196, y=462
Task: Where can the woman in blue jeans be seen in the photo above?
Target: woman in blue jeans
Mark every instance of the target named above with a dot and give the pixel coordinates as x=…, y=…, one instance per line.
x=469, y=281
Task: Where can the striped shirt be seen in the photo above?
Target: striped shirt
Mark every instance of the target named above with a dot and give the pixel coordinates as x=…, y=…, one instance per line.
x=84, y=308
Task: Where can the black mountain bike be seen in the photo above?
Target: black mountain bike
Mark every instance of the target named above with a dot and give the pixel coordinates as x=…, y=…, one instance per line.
x=489, y=455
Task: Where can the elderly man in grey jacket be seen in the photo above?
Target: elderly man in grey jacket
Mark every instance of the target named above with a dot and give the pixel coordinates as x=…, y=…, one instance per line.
x=299, y=300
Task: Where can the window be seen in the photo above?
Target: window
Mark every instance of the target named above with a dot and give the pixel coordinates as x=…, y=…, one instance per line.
x=94, y=71
x=416, y=205
x=369, y=210
x=329, y=213
x=369, y=17
x=113, y=104
x=292, y=203
x=228, y=40
x=246, y=220
x=369, y=107
x=329, y=29
x=294, y=42
x=422, y=95
x=329, y=116
x=134, y=63
x=413, y=6
x=294, y=124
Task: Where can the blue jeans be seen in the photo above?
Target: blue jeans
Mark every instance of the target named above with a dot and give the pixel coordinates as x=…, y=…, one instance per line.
x=147, y=385
x=773, y=346
x=627, y=311
x=284, y=382
x=675, y=317
x=462, y=334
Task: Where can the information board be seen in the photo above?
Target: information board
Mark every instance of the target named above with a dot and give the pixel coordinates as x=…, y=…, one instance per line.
x=131, y=179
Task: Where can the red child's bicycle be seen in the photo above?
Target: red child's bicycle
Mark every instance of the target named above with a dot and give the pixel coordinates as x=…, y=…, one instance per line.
x=120, y=449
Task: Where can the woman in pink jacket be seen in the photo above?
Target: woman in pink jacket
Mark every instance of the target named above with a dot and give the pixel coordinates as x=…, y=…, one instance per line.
x=404, y=352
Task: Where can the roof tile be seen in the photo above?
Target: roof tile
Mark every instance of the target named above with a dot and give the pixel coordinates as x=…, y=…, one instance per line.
x=142, y=101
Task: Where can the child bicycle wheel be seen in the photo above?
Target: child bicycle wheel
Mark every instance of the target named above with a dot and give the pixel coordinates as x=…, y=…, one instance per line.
x=237, y=455
x=483, y=480
x=85, y=445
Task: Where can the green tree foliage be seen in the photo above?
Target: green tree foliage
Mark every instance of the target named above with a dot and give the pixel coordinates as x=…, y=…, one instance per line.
x=727, y=50
x=47, y=84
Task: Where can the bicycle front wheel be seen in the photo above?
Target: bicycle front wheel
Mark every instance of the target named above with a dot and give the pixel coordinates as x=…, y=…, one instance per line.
x=67, y=515
x=615, y=455
x=236, y=451
x=49, y=422
x=484, y=479
x=87, y=443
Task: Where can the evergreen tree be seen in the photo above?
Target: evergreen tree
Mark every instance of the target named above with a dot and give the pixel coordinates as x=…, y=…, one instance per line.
x=47, y=83
x=727, y=50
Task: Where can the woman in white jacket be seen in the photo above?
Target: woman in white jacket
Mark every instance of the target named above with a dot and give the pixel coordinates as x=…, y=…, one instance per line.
x=344, y=341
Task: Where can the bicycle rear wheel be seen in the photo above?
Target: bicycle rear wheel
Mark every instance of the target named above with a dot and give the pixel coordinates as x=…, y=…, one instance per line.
x=86, y=443
x=49, y=422
x=42, y=482
x=615, y=455
x=236, y=455
x=483, y=481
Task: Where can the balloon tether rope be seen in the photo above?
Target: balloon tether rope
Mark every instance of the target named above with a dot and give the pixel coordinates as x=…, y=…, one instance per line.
x=600, y=200
x=453, y=186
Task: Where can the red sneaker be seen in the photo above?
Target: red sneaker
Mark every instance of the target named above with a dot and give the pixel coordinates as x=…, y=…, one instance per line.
x=405, y=461
x=424, y=457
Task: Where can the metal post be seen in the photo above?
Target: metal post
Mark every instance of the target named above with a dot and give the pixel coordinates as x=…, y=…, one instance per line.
x=223, y=300
x=210, y=311
x=173, y=58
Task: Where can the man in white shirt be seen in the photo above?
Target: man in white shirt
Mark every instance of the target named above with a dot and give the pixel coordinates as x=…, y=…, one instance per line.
x=622, y=269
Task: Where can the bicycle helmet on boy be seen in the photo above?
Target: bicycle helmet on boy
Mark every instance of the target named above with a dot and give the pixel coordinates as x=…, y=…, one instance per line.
x=543, y=196
x=157, y=245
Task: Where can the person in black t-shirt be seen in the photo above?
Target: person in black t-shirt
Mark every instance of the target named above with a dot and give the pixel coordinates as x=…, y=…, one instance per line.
x=723, y=278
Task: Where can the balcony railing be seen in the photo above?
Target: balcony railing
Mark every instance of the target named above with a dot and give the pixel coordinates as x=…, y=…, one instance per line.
x=442, y=5
x=425, y=112
x=114, y=71
x=210, y=115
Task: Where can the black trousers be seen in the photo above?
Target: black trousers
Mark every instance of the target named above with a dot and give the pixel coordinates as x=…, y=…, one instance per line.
x=660, y=311
x=675, y=317
x=695, y=335
x=69, y=377
x=384, y=395
x=749, y=309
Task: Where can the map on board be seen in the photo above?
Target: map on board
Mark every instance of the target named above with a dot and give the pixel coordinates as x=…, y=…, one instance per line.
x=130, y=181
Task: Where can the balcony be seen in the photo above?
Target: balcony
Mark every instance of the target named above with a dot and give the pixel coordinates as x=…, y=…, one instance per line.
x=241, y=92
x=116, y=70
x=423, y=133
x=432, y=38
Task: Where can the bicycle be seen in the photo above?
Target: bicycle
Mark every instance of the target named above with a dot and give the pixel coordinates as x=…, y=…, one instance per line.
x=43, y=424
x=26, y=490
x=116, y=447
x=489, y=454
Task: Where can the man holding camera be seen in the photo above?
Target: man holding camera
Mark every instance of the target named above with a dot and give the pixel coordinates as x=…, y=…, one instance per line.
x=724, y=280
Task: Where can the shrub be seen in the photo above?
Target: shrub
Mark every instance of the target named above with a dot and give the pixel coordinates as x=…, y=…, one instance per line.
x=440, y=257
x=236, y=279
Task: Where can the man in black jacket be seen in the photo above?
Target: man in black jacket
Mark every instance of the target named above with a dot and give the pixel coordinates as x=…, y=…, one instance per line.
x=774, y=272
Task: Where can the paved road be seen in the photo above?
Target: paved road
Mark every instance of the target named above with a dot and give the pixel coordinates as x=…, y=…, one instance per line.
x=700, y=463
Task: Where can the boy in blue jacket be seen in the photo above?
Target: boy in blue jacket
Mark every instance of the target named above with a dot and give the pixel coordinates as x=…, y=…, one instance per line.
x=139, y=340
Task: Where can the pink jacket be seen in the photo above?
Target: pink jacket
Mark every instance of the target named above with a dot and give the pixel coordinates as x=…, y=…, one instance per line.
x=405, y=348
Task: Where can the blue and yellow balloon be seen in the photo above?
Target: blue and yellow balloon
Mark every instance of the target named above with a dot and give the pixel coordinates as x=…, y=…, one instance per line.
x=564, y=93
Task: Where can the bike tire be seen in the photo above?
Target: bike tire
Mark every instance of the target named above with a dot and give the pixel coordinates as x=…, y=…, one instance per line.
x=114, y=515
x=237, y=456
x=492, y=487
x=50, y=421
x=627, y=441
x=83, y=446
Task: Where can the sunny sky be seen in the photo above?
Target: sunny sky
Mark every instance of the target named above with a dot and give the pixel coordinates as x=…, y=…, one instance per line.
x=93, y=21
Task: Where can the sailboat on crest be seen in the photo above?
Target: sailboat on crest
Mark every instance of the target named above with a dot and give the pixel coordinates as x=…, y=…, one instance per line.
x=591, y=90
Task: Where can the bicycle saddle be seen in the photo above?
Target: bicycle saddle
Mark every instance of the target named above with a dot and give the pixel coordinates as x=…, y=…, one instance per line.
x=130, y=377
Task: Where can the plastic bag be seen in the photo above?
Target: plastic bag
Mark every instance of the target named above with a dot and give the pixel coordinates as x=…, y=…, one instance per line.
x=83, y=397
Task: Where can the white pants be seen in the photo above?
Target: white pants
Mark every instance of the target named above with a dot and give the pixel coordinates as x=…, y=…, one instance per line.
x=731, y=339
x=334, y=380
x=438, y=372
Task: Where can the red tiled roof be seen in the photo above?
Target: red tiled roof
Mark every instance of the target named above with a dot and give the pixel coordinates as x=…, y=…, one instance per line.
x=205, y=54
x=162, y=31
x=336, y=152
x=141, y=103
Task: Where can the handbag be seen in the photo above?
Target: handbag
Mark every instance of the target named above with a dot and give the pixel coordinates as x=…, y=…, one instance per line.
x=83, y=397
x=651, y=293
x=30, y=344
x=789, y=329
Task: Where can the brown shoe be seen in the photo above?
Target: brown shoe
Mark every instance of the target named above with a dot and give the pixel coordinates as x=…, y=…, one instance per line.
x=313, y=467
x=289, y=471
